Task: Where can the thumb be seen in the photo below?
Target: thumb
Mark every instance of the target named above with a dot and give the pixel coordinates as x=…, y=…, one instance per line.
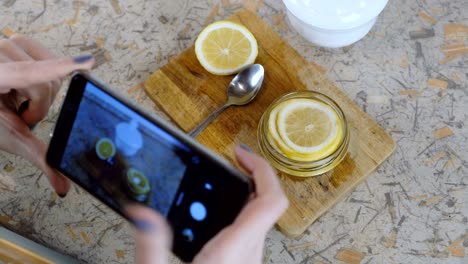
x=18, y=139
x=153, y=235
x=36, y=153
x=57, y=180
x=24, y=74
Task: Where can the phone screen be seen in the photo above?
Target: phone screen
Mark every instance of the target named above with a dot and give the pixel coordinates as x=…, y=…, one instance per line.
x=122, y=157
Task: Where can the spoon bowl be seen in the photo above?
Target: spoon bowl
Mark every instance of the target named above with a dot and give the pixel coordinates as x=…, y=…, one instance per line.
x=246, y=85
x=241, y=90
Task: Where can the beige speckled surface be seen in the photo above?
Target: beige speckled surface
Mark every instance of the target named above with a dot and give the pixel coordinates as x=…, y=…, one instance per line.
x=413, y=209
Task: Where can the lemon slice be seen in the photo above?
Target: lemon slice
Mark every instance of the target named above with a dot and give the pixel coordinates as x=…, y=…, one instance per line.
x=105, y=148
x=310, y=129
x=273, y=131
x=224, y=48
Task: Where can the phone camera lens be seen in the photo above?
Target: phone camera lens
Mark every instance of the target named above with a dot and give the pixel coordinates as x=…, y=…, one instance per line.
x=187, y=234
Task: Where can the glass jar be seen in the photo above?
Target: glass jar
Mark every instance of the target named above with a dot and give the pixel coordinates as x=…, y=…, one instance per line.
x=296, y=167
x=137, y=185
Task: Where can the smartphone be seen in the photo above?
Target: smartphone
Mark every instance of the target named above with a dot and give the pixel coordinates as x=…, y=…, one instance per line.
x=114, y=150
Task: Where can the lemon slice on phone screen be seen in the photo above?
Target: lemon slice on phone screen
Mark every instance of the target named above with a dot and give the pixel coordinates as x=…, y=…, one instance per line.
x=105, y=148
x=225, y=47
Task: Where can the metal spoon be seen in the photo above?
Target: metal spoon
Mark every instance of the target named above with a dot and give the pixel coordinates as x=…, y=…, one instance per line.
x=241, y=91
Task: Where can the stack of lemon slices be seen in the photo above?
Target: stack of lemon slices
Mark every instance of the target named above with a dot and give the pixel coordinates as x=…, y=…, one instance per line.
x=304, y=129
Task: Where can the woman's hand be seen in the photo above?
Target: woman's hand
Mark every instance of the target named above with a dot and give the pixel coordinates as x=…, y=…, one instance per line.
x=30, y=77
x=241, y=242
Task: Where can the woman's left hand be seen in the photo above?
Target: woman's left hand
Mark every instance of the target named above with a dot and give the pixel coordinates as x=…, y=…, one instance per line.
x=30, y=77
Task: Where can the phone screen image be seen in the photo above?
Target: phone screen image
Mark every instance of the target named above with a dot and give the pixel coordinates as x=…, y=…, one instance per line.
x=122, y=157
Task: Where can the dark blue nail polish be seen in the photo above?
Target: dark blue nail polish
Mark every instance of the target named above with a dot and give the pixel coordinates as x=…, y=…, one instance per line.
x=83, y=59
x=144, y=226
x=246, y=148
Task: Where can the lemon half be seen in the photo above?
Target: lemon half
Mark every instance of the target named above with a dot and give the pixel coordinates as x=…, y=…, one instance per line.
x=224, y=48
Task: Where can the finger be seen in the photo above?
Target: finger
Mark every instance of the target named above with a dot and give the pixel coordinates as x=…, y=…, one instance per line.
x=25, y=74
x=15, y=53
x=245, y=162
x=265, y=178
x=153, y=235
x=38, y=103
x=33, y=48
x=9, y=98
x=18, y=139
x=59, y=182
x=4, y=58
x=10, y=52
x=37, y=51
x=261, y=213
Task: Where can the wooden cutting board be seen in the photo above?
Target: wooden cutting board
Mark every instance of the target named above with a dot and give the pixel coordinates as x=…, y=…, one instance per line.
x=188, y=93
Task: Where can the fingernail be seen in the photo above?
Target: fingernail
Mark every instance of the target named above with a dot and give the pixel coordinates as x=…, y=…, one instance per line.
x=246, y=148
x=62, y=195
x=83, y=59
x=144, y=226
x=23, y=106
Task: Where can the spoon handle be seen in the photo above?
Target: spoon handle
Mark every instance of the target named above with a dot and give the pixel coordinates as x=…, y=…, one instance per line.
x=194, y=132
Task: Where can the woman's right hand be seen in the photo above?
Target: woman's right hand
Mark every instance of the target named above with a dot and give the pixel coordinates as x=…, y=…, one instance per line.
x=241, y=242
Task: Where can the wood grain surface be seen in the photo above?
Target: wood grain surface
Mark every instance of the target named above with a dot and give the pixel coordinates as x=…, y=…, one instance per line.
x=188, y=93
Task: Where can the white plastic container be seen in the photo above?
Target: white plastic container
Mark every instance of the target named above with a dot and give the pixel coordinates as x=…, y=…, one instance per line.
x=128, y=139
x=333, y=23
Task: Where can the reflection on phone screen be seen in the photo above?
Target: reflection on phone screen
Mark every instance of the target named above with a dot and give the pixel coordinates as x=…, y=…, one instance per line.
x=122, y=157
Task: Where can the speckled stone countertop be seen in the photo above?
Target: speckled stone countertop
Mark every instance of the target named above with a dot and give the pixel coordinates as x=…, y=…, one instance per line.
x=409, y=74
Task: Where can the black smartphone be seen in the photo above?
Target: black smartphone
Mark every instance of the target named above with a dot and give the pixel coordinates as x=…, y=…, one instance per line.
x=120, y=154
